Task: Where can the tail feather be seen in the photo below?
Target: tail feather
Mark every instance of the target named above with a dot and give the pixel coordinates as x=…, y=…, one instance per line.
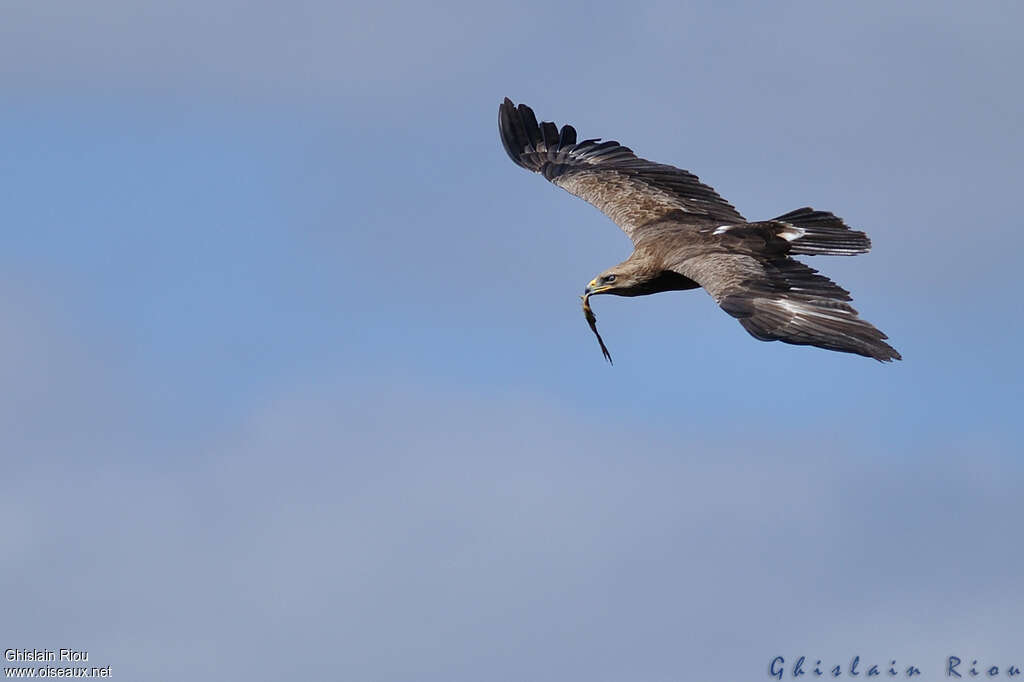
x=813, y=233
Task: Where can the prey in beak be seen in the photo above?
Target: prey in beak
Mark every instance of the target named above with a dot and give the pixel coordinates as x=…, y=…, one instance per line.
x=588, y=313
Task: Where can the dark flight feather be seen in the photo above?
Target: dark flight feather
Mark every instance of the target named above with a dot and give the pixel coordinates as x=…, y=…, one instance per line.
x=609, y=175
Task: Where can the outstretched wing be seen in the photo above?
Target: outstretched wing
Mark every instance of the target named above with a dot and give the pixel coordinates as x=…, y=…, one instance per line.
x=776, y=298
x=631, y=191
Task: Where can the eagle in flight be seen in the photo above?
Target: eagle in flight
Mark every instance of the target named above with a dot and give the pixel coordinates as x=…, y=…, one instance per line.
x=686, y=236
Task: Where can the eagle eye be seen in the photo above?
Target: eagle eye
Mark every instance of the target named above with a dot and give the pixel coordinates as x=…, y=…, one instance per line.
x=608, y=279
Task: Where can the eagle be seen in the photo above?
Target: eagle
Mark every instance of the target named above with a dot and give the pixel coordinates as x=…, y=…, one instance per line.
x=686, y=236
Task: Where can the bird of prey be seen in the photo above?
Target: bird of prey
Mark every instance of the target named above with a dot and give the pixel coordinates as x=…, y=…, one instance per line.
x=686, y=236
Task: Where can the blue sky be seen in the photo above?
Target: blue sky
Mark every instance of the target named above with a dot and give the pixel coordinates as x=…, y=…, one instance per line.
x=298, y=384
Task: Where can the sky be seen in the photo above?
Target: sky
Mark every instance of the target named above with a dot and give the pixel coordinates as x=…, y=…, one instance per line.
x=298, y=386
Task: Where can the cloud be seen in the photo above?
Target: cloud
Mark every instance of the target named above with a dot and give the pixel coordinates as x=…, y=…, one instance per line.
x=394, y=531
x=239, y=442
x=310, y=48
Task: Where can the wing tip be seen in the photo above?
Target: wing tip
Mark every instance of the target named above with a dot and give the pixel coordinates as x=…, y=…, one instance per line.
x=507, y=129
x=519, y=132
x=818, y=322
x=531, y=144
x=883, y=352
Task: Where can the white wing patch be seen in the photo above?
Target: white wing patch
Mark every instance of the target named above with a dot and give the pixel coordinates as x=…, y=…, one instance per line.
x=804, y=311
x=723, y=229
x=789, y=305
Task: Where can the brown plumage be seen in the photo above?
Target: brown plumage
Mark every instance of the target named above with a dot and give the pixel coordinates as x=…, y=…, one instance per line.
x=686, y=236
